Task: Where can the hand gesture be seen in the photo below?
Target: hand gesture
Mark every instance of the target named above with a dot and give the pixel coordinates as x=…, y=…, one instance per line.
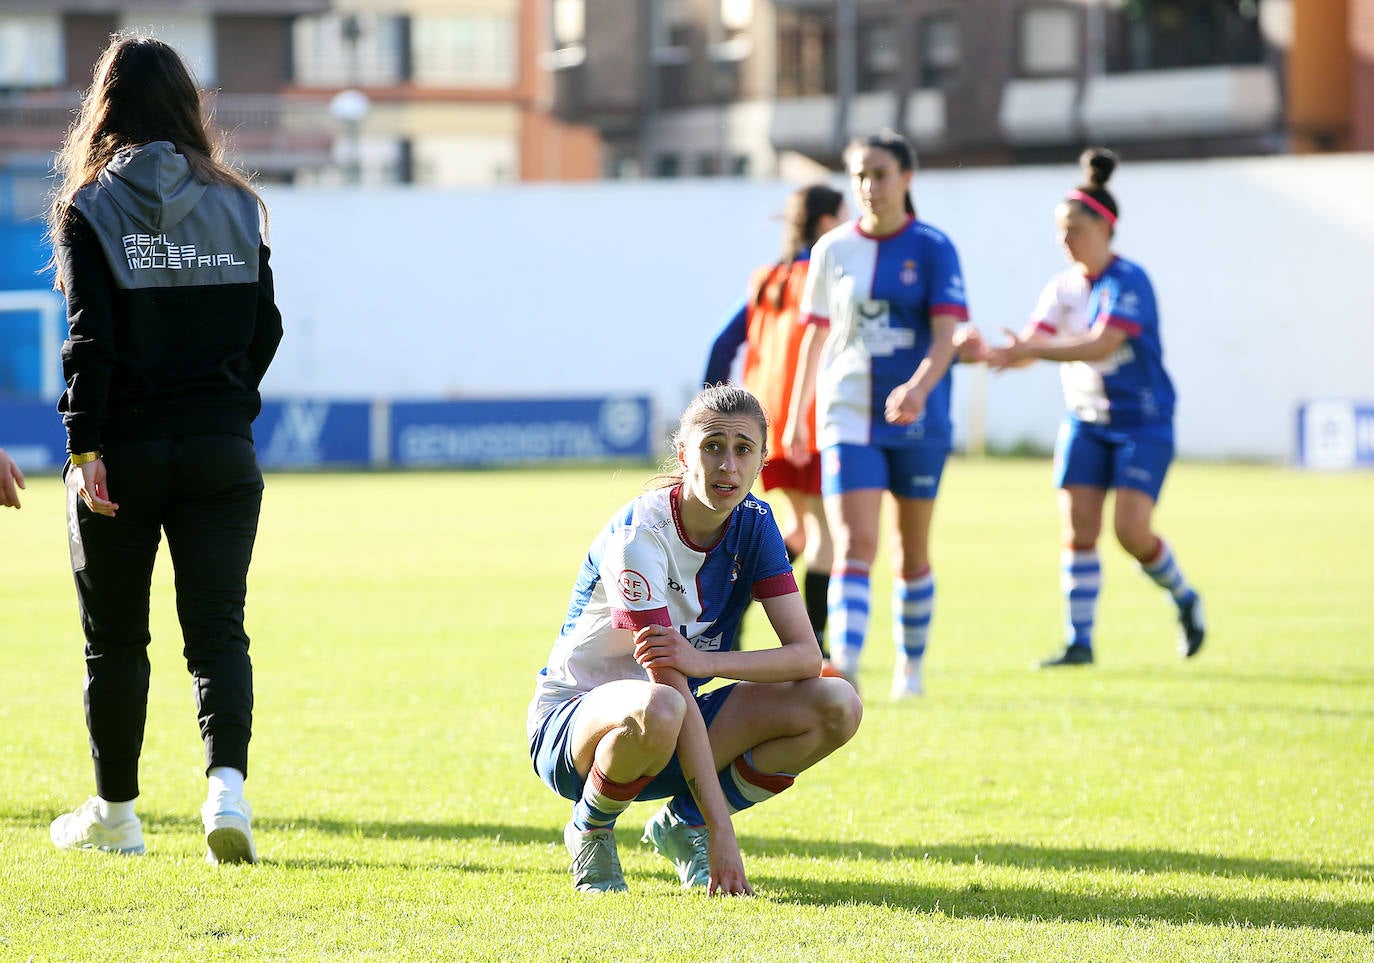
x=94, y=490
x=661, y=647
x=969, y=345
x=1013, y=351
x=904, y=404
x=11, y=480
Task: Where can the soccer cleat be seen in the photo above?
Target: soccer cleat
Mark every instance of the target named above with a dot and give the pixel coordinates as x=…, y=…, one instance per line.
x=907, y=682
x=828, y=670
x=228, y=831
x=1192, y=627
x=687, y=847
x=1072, y=655
x=595, y=862
x=83, y=829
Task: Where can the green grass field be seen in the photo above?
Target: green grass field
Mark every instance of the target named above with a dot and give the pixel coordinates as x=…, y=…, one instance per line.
x=1143, y=809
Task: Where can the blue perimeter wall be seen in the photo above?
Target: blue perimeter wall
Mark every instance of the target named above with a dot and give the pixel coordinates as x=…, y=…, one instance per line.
x=324, y=433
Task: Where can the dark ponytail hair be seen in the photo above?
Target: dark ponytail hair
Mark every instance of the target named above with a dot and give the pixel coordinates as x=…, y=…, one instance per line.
x=1092, y=196
x=801, y=217
x=895, y=144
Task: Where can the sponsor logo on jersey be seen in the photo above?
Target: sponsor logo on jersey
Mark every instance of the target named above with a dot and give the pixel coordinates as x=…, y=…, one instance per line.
x=634, y=587
x=756, y=506
x=676, y=586
x=144, y=251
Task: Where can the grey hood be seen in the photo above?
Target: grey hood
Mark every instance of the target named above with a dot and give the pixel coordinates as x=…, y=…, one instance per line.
x=152, y=184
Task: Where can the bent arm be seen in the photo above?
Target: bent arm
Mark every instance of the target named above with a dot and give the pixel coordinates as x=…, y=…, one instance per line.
x=1096, y=345
x=726, y=345
x=797, y=657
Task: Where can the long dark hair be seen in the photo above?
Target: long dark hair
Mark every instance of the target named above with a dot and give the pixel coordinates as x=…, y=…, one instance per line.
x=141, y=91
x=801, y=229
x=895, y=144
x=720, y=399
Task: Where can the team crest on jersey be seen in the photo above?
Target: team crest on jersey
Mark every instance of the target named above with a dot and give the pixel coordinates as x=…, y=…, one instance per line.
x=634, y=587
x=908, y=273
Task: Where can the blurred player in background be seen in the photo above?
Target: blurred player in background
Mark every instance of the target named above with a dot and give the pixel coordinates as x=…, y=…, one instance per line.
x=159, y=251
x=11, y=480
x=617, y=714
x=767, y=326
x=884, y=295
x=1099, y=318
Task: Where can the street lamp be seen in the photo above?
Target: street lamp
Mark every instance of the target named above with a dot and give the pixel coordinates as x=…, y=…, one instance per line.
x=350, y=108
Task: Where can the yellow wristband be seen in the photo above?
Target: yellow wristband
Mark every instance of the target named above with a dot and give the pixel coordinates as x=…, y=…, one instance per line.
x=84, y=457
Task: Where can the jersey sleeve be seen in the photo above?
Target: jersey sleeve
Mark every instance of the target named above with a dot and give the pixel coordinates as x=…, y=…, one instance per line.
x=729, y=339
x=947, y=294
x=774, y=576
x=1048, y=311
x=1127, y=303
x=634, y=571
x=815, y=299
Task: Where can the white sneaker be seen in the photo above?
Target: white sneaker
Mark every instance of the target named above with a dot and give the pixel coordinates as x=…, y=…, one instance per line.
x=83, y=829
x=907, y=682
x=228, y=831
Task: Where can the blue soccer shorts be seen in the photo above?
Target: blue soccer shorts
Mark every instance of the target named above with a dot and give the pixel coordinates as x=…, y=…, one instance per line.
x=908, y=470
x=1101, y=456
x=552, y=752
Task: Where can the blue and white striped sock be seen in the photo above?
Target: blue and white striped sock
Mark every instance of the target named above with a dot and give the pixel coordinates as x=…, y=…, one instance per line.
x=603, y=801
x=1166, y=574
x=913, y=605
x=1080, y=578
x=848, y=617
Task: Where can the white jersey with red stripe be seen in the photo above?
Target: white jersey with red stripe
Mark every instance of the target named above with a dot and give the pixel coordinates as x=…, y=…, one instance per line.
x=644, y=570
x=1131, y=386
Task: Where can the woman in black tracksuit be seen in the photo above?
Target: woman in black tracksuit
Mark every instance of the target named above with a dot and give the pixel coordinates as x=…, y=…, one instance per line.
x=172, y=325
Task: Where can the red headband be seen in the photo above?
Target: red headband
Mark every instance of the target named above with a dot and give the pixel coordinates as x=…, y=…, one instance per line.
x=1093, y=204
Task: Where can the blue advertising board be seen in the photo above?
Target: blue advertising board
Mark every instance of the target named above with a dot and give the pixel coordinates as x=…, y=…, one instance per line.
x=31, y=433
x=478, y=432
x=313, y=433
x=1336, y=434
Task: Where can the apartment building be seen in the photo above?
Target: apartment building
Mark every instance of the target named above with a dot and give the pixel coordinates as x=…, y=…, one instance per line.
x=444, y=92
x=745, y=87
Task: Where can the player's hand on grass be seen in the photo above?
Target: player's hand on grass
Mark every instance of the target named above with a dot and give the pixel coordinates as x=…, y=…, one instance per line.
x=727, y=869
x=661, y=647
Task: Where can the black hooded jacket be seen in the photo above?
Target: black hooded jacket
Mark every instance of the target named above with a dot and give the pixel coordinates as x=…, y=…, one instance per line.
x=170, y=310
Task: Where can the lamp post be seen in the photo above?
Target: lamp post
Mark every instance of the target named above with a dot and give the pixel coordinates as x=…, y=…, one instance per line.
x=350, y=108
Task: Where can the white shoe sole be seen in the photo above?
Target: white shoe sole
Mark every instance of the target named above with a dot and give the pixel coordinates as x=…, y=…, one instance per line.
x=230, y=840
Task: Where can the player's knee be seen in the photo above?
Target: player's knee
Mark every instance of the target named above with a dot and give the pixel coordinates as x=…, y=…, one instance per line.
x=660, y=720
x=838, y=710
x=1138, y=540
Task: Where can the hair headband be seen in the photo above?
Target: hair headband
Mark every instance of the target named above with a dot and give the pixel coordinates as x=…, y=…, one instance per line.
x=1094, y=204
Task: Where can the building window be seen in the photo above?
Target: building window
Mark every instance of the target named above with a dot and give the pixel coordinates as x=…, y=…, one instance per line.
x=941, y=49
x=806, y=61
x=31, y=51
x=1164, y=34
x=1049, y=41
x=667, y=165
x=673, y=32
x=192, y=35
x=476, y=50
x=348, y=50
x=879, y=55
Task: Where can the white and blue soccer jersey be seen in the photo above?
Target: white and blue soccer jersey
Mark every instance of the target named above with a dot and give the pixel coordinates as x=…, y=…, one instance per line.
x=643, y=570
x=877, y=296
x=1131, y=386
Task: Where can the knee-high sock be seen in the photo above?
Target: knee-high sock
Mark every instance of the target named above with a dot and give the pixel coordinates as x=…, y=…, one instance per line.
x=1163, y=568
x=815, y=593
x=603, y=801
x=848, y=611
x=1080, y=578
x=913, y=605
x=743, y=785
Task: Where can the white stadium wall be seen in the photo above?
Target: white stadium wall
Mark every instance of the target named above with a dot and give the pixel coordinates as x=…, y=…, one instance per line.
x=1264, y=270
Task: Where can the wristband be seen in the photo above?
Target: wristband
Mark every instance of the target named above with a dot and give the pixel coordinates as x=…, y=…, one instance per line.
x=84, y=457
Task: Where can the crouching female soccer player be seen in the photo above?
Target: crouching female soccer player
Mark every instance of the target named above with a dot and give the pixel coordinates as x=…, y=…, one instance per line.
x=617, y=715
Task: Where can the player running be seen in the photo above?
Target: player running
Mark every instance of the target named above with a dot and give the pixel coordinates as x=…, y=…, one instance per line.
x=618, y=714
x=1099, y=318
